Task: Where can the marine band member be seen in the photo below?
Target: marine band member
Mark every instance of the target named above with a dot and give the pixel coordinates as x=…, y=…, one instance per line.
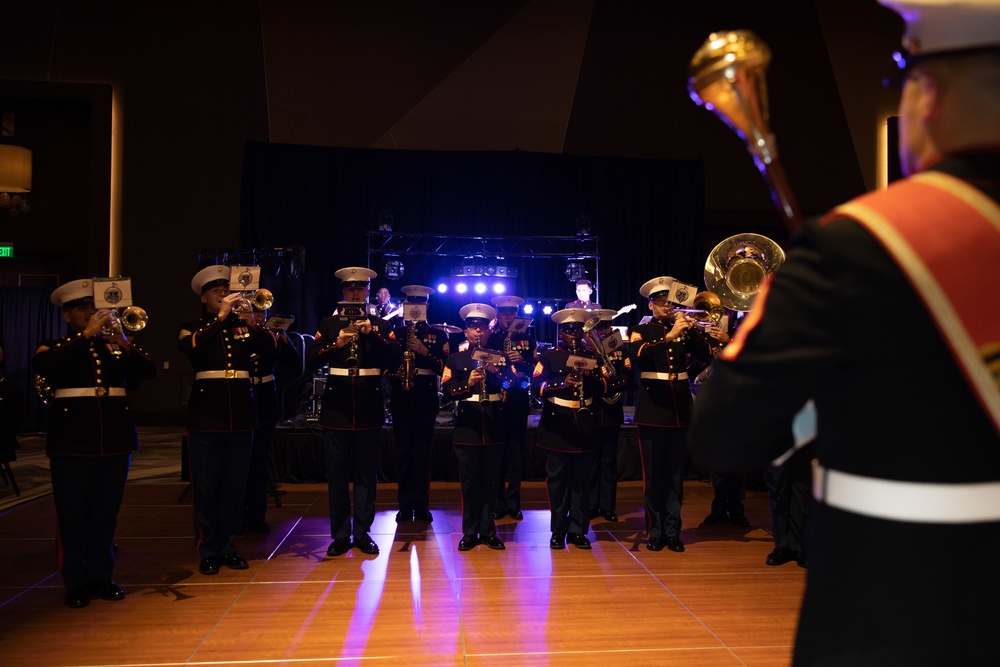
x=610, y=415
x=519, y=350
x=567, y=430
x=355, y=349
x=661, y=351
x=480, y=427
x=414, y=403
x=91, y=437
x=221, y=416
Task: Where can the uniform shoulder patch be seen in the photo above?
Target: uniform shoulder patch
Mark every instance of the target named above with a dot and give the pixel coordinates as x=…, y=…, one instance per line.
x=538, y=369
x=447, y=374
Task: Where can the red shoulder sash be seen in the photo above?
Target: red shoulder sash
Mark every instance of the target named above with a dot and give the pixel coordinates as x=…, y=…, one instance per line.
x=952, y=259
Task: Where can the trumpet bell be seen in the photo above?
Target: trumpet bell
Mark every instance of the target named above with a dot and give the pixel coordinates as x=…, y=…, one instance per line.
x=134, y=318
x=263, y=299
x=737, y=267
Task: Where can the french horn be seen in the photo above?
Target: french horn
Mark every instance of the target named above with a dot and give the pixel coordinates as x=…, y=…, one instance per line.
x=736, y=268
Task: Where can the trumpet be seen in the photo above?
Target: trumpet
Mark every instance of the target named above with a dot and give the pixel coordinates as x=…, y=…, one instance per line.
x=261, y=299
x=131, y=319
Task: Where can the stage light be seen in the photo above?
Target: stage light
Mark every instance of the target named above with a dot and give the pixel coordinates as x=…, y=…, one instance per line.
x=498, y=288
x=480, y=288
x=461, y=288
x=547, y=309
x=394, y=269
x=575, y=271
x=442, y=288
x=528, y=309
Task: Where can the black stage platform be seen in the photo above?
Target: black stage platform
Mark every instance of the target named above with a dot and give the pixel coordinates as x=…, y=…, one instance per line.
x=298, y=453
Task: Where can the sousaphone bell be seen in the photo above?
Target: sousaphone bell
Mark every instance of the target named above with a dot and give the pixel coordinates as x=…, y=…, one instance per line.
x=736, y=268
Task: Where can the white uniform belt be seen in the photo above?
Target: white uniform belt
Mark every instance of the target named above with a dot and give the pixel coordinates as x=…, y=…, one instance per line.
x=920, y=502
x=570, y=404
x=354, y=372
x=475, y=398
x=263, y=380
x=222, y=375
x=83, y=392
x=425, y=371
x=648, y=375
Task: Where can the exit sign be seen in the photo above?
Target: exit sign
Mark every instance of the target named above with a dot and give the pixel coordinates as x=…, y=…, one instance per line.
x=6, y=250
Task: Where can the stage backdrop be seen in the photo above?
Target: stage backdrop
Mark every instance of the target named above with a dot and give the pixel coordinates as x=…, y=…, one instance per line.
x=647, y=214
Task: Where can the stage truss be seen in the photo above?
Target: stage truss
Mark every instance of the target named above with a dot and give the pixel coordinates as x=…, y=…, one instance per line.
x=387, y=244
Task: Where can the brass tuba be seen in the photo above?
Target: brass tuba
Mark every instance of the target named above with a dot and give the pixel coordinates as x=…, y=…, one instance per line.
x=737, y=267
x=727, y=77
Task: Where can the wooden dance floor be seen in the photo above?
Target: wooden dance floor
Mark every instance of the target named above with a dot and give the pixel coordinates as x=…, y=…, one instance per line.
x=419, y=602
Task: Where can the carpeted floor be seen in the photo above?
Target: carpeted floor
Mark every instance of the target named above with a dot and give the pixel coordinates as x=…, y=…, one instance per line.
x=157, y=461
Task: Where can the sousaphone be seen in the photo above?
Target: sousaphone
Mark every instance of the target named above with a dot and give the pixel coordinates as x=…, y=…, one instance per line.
x=736, y=268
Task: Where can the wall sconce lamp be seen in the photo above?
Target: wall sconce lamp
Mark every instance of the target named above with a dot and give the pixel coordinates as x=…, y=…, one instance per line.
x=15, y=176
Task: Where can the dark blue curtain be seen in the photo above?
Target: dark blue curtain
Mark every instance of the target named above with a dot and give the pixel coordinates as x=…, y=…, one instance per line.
x=648, y=217
x=26, y=318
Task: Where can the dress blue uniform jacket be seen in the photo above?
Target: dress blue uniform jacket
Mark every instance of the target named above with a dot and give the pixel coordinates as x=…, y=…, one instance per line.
x=97, y=425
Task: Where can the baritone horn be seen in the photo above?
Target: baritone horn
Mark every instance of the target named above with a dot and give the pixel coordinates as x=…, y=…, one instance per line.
x=736, y=269
x=727, y=77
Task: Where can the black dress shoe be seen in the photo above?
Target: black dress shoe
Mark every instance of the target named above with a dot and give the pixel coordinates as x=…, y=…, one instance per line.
x=234, y=561
x=655, y=544
x=578, y=540
x=498, y=514
x=674, y=544
x=423, y=515
x=209, y=565
x=801, y=560
x=106, y=591
x=261, y=527
x=779, y=556
x=740, y=521
x=609, y=515
x=558, y=541
x=516, y=515
x=468, y=542
x=77, y=598
x=404, y=515
x=713, y=519
x=494, y=542
x=339, y=547
x=366, y=545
